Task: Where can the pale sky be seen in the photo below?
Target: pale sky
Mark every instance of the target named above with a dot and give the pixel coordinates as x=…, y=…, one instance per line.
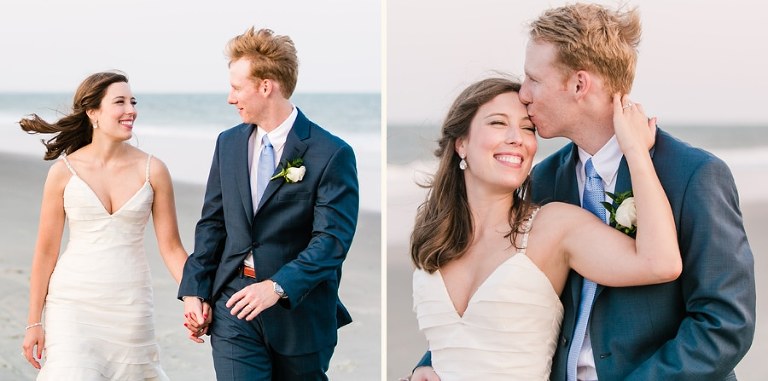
x=178, y=45
x=699, y=62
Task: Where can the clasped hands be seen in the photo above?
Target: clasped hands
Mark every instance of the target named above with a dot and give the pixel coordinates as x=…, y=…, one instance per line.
x=198, y=317
x=245, y=304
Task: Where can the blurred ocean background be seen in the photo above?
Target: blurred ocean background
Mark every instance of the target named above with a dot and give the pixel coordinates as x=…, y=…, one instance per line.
x=417, y=142
x=410, y=150
x=181, y=129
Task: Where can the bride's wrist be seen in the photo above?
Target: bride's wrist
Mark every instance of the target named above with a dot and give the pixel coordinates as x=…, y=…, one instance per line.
x=638, y=155
x=33, y=325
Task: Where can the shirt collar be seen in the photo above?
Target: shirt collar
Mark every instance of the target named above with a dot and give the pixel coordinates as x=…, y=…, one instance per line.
x=279, y=135
x=606, y=160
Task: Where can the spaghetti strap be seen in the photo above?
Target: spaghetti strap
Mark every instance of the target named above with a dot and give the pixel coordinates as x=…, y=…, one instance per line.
x=69, y=165
x=528, y=226
x=149, y=159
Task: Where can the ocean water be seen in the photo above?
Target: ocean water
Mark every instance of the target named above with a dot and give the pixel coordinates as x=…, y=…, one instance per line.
x=408, y=143
x=410, y=158
x=181, y=129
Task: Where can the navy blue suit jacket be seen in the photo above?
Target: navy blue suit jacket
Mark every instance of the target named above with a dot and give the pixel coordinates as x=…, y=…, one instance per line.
x=299, y=236
x=695, y=328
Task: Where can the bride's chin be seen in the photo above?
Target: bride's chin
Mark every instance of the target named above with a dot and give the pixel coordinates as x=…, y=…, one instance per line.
x=505, y=189
x=511, y=185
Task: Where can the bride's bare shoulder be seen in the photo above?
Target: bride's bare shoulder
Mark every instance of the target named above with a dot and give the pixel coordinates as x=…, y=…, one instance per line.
x=58, y=175
x=558, y=208
x=561, y=214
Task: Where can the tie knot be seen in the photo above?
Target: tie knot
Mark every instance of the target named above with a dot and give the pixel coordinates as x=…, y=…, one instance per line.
x=589, y=170
x=265, y=141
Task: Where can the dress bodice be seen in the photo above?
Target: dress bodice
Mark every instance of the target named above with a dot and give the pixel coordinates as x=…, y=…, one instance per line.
x=508, y=331
x=89, y=222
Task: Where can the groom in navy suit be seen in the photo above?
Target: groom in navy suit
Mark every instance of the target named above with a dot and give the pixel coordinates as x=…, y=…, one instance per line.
x=279, y=215
x=695, y=328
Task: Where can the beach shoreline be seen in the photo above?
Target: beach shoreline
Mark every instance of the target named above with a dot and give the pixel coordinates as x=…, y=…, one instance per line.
x=357, y=356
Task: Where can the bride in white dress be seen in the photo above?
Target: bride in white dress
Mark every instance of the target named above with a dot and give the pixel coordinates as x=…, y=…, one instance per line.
x=91, y=308
x=491, y=266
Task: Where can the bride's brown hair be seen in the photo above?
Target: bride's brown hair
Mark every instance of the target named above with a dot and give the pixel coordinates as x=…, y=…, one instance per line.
x=443, y=228
x=74, y=130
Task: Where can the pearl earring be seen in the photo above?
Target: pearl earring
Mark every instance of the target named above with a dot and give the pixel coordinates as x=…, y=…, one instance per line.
x=95, y=124
x=462, y=164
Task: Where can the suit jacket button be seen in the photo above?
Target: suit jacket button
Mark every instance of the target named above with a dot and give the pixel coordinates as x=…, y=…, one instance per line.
x=604, y=356
x=564, y=341
x=255, y=245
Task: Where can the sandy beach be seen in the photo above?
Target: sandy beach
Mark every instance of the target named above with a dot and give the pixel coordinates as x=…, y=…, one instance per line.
x=406, y=345
x=357, y=356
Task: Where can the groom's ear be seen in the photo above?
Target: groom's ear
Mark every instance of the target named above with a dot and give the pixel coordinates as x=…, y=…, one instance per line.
x=265, y=87
x=581, y=82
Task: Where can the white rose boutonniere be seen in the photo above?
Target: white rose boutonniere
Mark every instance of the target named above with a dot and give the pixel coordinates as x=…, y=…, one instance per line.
x=292, y=171
x=626, y=213
x=294, y=175
x=623, y=213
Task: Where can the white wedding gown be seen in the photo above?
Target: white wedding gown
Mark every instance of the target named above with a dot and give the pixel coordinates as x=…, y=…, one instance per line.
x=508, y=331
x=98, y=316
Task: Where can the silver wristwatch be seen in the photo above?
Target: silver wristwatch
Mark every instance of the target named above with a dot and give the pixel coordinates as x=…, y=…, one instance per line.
x=279, y=290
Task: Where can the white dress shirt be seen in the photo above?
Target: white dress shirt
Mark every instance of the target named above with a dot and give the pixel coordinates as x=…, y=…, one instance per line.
x=606, y=162
x=277, y=137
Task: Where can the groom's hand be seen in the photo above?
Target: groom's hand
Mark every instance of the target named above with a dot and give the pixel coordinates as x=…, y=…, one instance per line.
x=251, y=300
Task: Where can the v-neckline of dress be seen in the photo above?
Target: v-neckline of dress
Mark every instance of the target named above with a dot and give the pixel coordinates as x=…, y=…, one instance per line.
x=98, y=200
x=461, y=315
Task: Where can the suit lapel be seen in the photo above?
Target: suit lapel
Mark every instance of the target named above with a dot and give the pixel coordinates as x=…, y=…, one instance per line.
x=623, y=179
x=241, y=163
x=294, y=148
x=566, y=187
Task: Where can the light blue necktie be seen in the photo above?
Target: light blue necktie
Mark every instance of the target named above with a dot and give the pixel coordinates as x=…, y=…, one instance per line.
x=265, y=170
x=593, y=196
